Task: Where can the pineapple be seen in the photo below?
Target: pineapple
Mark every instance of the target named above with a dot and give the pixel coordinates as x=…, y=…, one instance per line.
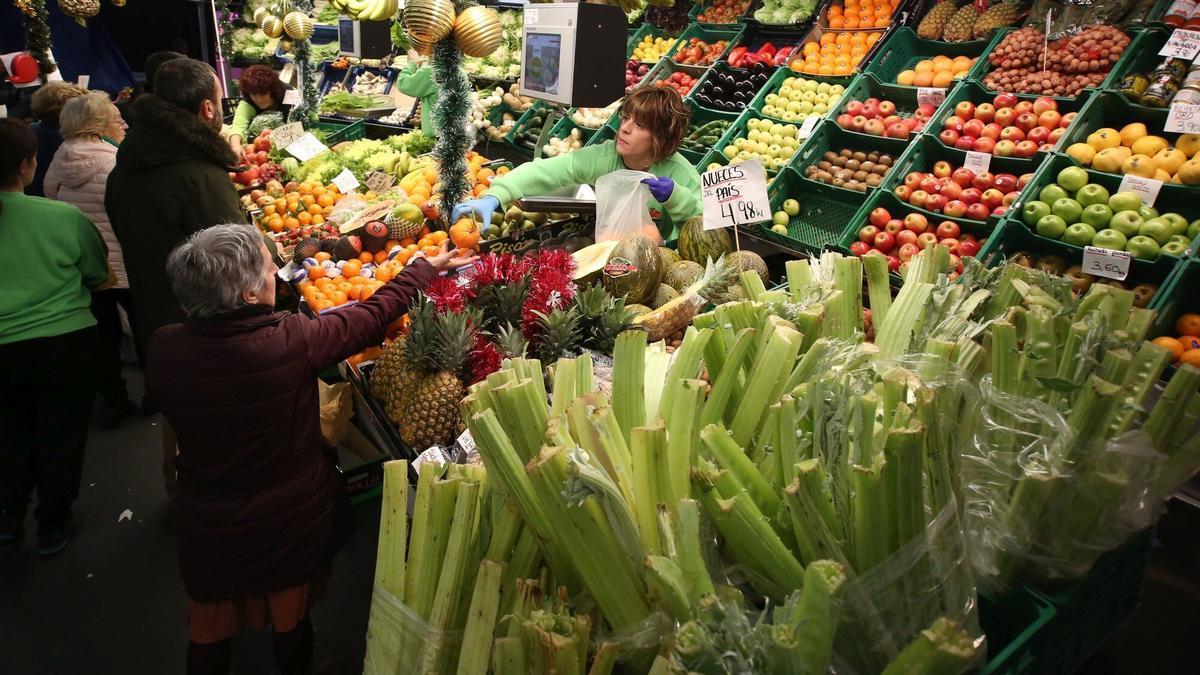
x=603, y=316
x=558, y=335
x=678, y=313
x=934, y=22
x=511, y=342
x=996, y=16
x=958, y=28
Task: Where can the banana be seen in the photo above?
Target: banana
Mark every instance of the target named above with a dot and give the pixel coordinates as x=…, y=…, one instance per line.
x=377, y=10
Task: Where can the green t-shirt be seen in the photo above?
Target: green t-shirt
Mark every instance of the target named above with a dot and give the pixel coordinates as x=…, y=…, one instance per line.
x=585, y=165
x=53, y=255
x=417, y=81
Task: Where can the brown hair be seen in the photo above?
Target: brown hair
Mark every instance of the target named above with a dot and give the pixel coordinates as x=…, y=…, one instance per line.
x=17, y=144
x=49, y=100
x=260, y=79
x=662, y=110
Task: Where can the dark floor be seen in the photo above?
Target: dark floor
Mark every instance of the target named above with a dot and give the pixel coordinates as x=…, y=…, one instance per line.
x=113, y=603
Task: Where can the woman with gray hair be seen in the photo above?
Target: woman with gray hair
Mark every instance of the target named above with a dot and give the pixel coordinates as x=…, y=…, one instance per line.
x=92, y=128
x=259, y=510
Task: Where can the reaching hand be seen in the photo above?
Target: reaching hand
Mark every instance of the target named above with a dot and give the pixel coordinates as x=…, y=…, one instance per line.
x=483, y=208
x=660, y=188
x=451, y=260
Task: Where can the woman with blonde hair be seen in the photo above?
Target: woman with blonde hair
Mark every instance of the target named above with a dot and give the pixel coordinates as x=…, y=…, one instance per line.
x=92, y=128
x=46, y=104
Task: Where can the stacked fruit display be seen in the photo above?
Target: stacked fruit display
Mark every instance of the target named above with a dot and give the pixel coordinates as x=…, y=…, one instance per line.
x=652, y=49
x=835, y=53
x=1133, y=150
x=851, y=169
x=959, y=192
x=732, y=90
x=1185, y=344
x=856, y=14
x=352, y=268
x=1006, y=127
x=881, y=118
x=697, y=52
x=723, y=11
x=1080, y=281
x=635, y=72
x=771, y=142
x=799, y=98
x=294, y=210
x=679, y=81
x=767, y=54
x=947, y=21
x=259, y=167
x=901, y=239
x=1082, y=213
x=1023, y=62
x=940, y=71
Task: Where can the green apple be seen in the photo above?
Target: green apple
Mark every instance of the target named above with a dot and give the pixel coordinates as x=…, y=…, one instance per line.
x=1072, y=178
x=1193, y=230
x=1091, y=194
x=1066, y=208
x=779, y=229
x=1034, y=211
x=822, y=88
x=1127, y=200
x=1097, y=215
x=1110, y=239
x=730, y=151
x=1143, y=247
x=1179, y=224
x=780, y=218
x=1175, y=248
x=1051, y=226
x=1052, y=193
x=1079, y=234
x=1127, y=222
x=1158, y=229
x=1147, y=212
x=791, y=207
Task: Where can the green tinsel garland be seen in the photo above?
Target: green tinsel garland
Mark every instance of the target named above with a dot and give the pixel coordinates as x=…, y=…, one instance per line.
x=225, y=28
x=452, y=113
x=306, y=112
x=37, y=37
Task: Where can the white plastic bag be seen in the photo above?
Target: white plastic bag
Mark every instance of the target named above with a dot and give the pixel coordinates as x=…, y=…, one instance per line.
x=621, y=206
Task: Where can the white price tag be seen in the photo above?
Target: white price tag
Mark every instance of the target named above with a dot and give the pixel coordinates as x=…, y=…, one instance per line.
x=3, y=111
x=1183, y=118
x=84, y=80
x=379, y=181
x=531, y=17
x=1147, y=188
x=1104, y=262
x=305, y=148
x=466, y=441
x=735, y=195
x=934, y=96
x=284, y=135
x=979, y=162
x=806, y=129
x=292, y=97
x=345, y=181
x=1182, y=44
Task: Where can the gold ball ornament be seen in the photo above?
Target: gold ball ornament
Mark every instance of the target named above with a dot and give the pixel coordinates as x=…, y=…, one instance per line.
x=118, y=3
x=420, y=47
x=477, y=31
x=259, y=13
x=272, y=26
x=26, y=7
x=299, y=26
x=429, y=20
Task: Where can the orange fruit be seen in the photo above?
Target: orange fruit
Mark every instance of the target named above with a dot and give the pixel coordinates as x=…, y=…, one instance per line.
x=291, y=223
x=380, y=257
x=316, y=272
x=325, y=199
x=1189, y=342
x=1170, y=344
x=837, y=22
x=1191, y=357
x=308, y=200
x=304, y=218
x=322, y=256
x=366, y=257
x=323, y=305
x=323, y=283
x=306, y=188
x=318, y=219
x=1188, y=324
x=351, y=268
x=431, y=250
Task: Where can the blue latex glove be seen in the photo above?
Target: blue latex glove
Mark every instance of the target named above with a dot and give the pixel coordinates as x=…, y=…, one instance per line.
x=483, y=208
x=660, y=188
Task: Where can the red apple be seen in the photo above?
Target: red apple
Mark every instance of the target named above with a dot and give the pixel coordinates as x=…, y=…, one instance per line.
x=913, y=180
x=965, y=110
x=885, y=242
x=1049, y=119
x=871, y=101
x=978, y=212
x=903, y=192
x=1043, y=104
x=908, y=250
x=985, y=112
x=1004, y=148
x=954, y=122
x=1023, y=180
x=942, y=168
x=873, y=127
x=963, y=177
x=983, y=181
x=1004, y=182
x=1038, y=135
x=906, y=236
x=948, y=137
x=912, y=123
x=845, y=120
x=859, y=248
x=1066, y=120
x=893, y=263
x=870, y=109
x=951, y=190
x=1014, y=134
x=967, y=237
x=916, y=222
x=854, y=108
x=968, y=249
x=992, y=131
x=893, y=226
x=1025, y=149
x=1056, y=134
x=991, y=198
x=1023, y=107
x=1010, y=198
x=1005, y=116
x=965, y=142
x=935, y=202
x=1026, y=121
x=857, y=123
x=926, y=238
x=887, y=108
x=950, y=243
x=1000, y=210
x=1005, y=100
x=918, y=198
x=947, y=229
x=971, y=195
x=897, y=130
x=926, y=110
x=879, y=217
x=955, y=208
x=984, y=144
x=973, y=128
x=929, y=183
x=889, y=120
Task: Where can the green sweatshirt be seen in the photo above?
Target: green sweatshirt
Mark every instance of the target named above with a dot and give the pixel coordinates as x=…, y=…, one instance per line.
x=242, y=117
x=585, y=165
x=417, y=81
x=58, y=255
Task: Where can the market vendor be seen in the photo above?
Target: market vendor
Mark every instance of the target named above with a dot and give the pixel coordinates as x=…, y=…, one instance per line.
x=262, y=91
x=653, y=123
x=416, y=80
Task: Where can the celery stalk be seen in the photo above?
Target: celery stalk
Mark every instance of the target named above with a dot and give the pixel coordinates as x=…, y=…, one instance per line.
x=846, y=315
x=683, y=437
x=814, y=536
x=752, y=284
x=808, y=364
x=685, y=365
x=816, y=625
x=521, y=564
x=605, y=659
x=799, y=278
x=393, y=524
x=421, y=584
x=869, y=515
x=1038, y=361
x=733, y=459
x=504, y=534
x=724, y=386
x=628, y=372
x=451, y=581
x=481, y=620
x=646, y=444
x=564, y=386
x=689, y=554
x=666, y=582
x=904, y=463
x=1177, y=396
x=879, y=288
x=1148, y=364
x=594, y=426
x=509, y=657
x=788, y=452
x=585, y=375
x=942, y=649
x=903, y=318
x=765, y=383
x=658, y=361
x=716, y=350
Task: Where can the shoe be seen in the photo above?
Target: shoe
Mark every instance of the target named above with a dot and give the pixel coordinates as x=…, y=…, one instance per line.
x=55, y=540
x=113, y=415
x=11, y=530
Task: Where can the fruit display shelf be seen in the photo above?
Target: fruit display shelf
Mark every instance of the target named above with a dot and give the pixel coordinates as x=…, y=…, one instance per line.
x=654, y=32
x=706, y=6
x=1113, y=111
x=902, y=99
x=1146, y=268
x=902, y=231
x=982, y=116
x=700, y=117
x=532, y=120
x=775, y=86
x=829, y=13
x=717, y=90
x=1177, y=298
x=821, y=212
x=1143, y=61
x=829, y=137
x=857, y=44
x=680, y=55
x=668, y=71
x=904, y=49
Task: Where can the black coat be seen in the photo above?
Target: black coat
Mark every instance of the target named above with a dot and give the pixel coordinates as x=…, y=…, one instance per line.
x=171, y=179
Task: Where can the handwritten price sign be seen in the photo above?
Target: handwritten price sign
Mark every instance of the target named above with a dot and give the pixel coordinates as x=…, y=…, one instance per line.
x=934, y=96
x=979, y=162
x=1183, y=118
x=735, y=195
x=1147, y=188
x=1183, y=44
x=1104, y=262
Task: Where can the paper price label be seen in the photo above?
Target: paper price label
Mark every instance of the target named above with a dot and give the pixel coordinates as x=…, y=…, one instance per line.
x=1183, y=44
x=84, y=80
x=1104, y=262
x=1183, y=118
x=466, y=441
x=286, y=134
x=806, y=129
x=379, y=182
x=3, y=111
x=345, y=181
x=306, y=147
x=531, y=17
x=1147, y=188
x=735, y=195
x=934, y=96
x=979, y=162
x=292, y=97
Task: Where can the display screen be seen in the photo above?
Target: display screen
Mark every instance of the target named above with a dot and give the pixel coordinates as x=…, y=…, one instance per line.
x=346, y=36
x=543, y=57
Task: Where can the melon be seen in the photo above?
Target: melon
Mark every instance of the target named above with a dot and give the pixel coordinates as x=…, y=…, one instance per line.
x=663, y=295
x=589, y=260
x=633, y=269
x=637, y=310
x=698, y=245
x=669, y=256
x=683, y=274
x=749, y=260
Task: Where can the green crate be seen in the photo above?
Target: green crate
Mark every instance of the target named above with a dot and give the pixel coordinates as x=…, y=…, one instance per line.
x=339, y=132
x=740, y=130
x=654, y=32
x=607, y=132
x=1016, y=626
x=564, y=126
x=1178, y=297
x=700, y=7
x=976, y=93
x=709, y=35
x=524, y=121
x=667, y=67
x=702, y=116
x=830, y=137
x=904, y=48
x=866, y=86
x=898, y=209
x=814, y=35
x=926, y=151
x=1144, y=61
x=822, y=15
x=720, y=68
x=824, y=212
x=773, y=86
x=1135, y=45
